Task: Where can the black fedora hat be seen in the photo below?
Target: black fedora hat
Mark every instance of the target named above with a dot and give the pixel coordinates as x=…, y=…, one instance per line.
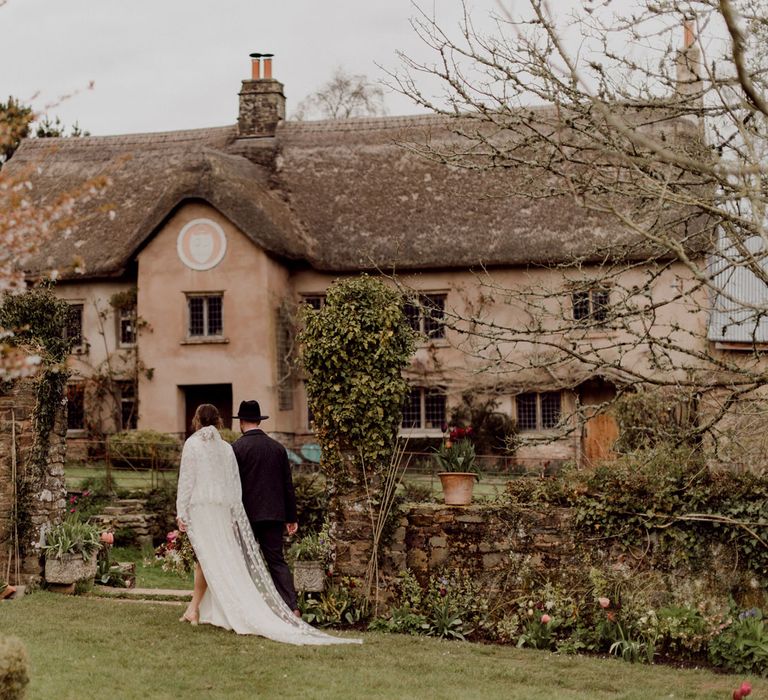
x=250, y=411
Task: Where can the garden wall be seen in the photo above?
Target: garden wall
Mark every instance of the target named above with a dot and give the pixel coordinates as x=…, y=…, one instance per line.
x=45, y=499
x=499, y=546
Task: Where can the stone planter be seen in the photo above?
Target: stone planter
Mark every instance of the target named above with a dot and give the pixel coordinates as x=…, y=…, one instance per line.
x=69, y=569
x=309, y=576
x=457, y=487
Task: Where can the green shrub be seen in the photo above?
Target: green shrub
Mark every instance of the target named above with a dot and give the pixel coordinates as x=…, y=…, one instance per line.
x=229, y=435
x=340, y=604
x=161, y=504
x=144, y=449
x=311, y=501
x=742, y=647
x=450, y=606
x=14, y=669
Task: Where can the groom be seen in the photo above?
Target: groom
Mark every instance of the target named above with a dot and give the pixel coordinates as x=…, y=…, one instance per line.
x=268, y=495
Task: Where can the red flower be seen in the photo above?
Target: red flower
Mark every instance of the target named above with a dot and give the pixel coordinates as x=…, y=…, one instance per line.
x=611, y=616
x=745, y=689
x=73, y=510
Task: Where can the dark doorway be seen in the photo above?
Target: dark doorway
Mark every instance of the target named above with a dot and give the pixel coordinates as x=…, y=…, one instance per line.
x=220, y=395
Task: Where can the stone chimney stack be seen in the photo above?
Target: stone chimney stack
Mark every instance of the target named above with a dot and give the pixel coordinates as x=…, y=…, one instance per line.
x=688, y=64
x=262, y=102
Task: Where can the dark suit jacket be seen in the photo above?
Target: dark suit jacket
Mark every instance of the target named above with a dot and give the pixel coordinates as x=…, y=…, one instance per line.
x=266, y=478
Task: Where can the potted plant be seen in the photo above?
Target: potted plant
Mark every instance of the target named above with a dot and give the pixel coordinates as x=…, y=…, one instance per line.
x=310, y=556
x=458, y=471
x=70, y=552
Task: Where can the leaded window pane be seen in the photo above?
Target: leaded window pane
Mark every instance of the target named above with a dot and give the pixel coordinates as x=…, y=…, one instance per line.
x=434, y=315
x=434, y=408
x=74, y=329
x=412, y=409
x=215, y=321
x=580, y=305
x=75, y=407
x=196, y=316
x=550, y=409
x=599, y=305
x=413, y=314
x=526, y=411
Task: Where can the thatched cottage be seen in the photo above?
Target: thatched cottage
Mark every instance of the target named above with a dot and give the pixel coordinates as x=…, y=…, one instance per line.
x=183, y=275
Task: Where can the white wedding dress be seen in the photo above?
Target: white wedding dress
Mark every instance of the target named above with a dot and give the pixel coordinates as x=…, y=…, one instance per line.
x=240, y=595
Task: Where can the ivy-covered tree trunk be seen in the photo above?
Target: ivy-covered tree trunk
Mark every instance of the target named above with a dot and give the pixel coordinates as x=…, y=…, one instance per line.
x=353, y=351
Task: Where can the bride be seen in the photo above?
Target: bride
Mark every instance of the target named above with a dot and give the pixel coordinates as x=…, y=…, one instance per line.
x=233, y=587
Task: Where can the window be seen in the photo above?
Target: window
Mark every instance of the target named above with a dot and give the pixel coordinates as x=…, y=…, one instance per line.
x=426, y=314
x=590, y=304
x=73, y=330
x=424, y=409
x=316, y=301
x=75, y=406
x=538, y=411
x=127, y=326
x=205, y=315
x=284, y=361
x=128, y=414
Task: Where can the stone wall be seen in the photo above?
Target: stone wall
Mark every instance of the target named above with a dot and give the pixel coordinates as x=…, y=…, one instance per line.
x=47, y=498
x=432, y=537
x=497, y=545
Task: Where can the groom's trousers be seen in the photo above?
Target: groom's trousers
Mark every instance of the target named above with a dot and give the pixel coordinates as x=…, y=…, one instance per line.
x=269, y=535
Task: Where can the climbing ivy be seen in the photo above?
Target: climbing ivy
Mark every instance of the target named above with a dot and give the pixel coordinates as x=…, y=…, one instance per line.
x=37, y=320
x=353, y=351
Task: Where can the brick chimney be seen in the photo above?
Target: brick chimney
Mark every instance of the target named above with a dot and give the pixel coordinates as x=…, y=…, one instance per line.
x=688, y=64
x=262, y=102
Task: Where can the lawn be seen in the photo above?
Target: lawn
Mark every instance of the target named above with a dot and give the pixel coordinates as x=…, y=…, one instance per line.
x=149, y=574
x=83, y=648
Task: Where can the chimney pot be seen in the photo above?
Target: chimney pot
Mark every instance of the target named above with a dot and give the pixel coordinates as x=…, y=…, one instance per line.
x=268, y=65
x=688, y=33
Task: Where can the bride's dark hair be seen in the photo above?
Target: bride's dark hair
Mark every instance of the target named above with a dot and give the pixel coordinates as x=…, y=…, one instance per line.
x=206, y=414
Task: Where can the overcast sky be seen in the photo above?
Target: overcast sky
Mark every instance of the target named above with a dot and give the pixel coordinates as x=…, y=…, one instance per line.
x=175, y=64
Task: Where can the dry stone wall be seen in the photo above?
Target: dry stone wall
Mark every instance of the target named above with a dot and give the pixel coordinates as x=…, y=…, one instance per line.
x=46, y=503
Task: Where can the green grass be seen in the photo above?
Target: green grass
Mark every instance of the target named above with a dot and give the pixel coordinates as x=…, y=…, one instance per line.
x=75, y=474
x=150, y=576
x=85, y=648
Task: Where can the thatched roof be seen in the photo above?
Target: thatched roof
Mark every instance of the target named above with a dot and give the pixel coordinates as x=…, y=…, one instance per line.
x=338, y=195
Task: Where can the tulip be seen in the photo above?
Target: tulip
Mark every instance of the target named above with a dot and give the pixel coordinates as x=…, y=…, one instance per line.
x=604, y=602
x=545, y=619
x=107, y=538
x=746, y=689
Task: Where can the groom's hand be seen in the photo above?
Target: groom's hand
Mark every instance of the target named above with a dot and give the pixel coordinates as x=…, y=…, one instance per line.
x=291, y=528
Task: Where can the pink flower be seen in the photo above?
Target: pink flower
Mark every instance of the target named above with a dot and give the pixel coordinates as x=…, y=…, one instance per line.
x=604, y=602
x=172, y=535
x=72, y=510
x=545, y=619
x=746, y=688
x=73, y=499
x=107, y=538
x=86, y=493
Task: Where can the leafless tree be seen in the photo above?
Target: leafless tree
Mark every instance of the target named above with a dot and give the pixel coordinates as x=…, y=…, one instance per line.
x=658, y=130
x=345, y=95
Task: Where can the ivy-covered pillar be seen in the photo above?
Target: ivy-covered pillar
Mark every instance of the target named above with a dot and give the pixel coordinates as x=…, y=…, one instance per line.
x=32, y=430
x=32, y=487
x=353, y=351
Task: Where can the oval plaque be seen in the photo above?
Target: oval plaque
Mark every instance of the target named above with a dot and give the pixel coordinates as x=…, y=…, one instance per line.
x=201, y=244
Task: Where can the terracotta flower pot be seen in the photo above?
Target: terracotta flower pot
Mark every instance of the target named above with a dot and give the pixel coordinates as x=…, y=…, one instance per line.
x=309, y=576
x=69, y=569
x=457, y=487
